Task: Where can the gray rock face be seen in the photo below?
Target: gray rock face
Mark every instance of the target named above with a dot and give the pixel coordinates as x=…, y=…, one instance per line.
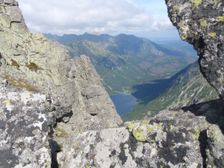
x=23, y=129
x=32, y=62
x=43, y=86
x=10, y=16
x=201, y=23
x=98, y=111
x=171, y=139
x=215, y=148
x=92, y=108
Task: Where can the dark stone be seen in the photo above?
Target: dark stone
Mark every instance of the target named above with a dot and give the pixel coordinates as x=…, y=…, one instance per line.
x=202, y=26
x=122, y=155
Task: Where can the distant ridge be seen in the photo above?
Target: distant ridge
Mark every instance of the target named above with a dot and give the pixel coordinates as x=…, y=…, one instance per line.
x=185, y=88
x=126, y=60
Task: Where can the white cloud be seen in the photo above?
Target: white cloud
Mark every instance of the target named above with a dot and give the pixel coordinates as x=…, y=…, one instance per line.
x=93, y=16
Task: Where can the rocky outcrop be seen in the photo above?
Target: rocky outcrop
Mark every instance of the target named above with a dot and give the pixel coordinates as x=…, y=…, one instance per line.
x=92, y=108
x=171, y=139
x=201, y=23
x=11, y=16
x=23, y=128
x=31, y=62
x=43, y=89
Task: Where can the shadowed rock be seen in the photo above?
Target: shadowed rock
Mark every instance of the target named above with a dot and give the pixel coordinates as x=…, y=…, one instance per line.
x=201, y=23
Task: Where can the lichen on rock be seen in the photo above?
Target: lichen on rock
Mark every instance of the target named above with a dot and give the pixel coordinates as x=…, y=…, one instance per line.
x=32, y=66
x=170, y=139
x=23, y=128
x=201, y=24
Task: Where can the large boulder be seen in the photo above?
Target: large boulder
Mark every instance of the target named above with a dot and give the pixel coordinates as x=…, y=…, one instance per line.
x=171, y=139
x=201, y=23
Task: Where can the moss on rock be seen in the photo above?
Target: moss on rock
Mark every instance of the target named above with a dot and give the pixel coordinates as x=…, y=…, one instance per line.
x=212, y=34
x=60, y=132
x=20, y=83
x=33, y=66
x=14, y=63
x=220, y=18
x=203, y=23
x=196, y=3
x=140, y=135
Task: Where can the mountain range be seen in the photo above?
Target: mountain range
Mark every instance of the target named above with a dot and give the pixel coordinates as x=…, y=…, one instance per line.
x=159, y=75
x=124, y=61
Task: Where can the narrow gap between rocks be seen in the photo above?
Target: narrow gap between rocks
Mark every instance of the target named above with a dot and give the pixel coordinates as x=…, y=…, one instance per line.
x=55, y=148
x=203, y=145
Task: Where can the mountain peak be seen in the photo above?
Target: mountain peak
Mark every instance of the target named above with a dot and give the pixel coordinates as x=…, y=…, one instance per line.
x=11, y=16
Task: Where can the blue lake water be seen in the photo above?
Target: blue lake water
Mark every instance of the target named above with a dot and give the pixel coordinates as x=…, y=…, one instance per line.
x=143, y=93
x=124, y=103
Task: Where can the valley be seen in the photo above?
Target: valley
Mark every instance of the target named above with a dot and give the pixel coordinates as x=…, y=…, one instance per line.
x=139, y=73
x=185, y=88
x=124, y=61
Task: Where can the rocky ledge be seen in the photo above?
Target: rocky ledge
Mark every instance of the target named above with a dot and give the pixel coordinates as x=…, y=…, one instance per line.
x=171, y=139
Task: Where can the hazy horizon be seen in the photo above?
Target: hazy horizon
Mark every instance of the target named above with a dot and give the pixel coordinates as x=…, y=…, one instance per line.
x=177, y=39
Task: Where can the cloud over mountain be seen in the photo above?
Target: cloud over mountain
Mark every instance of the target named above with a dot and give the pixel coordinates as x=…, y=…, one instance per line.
x=93, y=16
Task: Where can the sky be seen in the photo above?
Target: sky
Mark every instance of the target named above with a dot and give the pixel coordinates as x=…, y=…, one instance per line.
x=144, y=18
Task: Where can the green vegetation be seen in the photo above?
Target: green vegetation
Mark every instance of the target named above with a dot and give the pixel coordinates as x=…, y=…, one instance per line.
x=220, y=18
x=139, y=135
x=33, y=67
x=187, y=87
x=212, y=34
x=88, y=165
x=196, y=3
x=203, y=23
x=125, y=61
x=195, y=134
x=60, y=132
x=183, y=36
x=140, y=130
x=20, y=83
x=15, y=64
